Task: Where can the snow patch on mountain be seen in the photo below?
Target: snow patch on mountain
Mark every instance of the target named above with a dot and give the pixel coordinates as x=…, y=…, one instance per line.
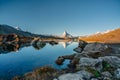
x=18, y=28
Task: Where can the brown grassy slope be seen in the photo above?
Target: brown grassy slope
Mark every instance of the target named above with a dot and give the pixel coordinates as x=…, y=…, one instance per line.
x=110, y=37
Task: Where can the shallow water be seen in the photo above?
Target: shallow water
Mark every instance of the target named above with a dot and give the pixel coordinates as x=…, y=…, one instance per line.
x=29, y=58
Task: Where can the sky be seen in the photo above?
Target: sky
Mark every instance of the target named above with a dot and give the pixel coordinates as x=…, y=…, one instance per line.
x=77, y=17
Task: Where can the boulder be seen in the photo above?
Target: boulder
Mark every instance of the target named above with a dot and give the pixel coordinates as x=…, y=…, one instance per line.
x=96, y=50
x=81, y=46
x=89, y=61
x=112, y=60
x=97, y=47
x=81, y=75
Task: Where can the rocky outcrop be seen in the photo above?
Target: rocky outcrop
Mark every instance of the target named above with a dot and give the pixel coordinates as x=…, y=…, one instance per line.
x=98, y=59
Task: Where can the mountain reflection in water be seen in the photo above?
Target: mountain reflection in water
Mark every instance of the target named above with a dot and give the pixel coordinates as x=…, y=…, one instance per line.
x=6, y=48
x=17, y=59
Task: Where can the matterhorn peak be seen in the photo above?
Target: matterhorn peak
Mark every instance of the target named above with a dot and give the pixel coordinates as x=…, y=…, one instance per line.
x=65, y=34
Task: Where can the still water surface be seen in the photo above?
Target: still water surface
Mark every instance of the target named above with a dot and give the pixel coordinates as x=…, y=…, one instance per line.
x=28, y=59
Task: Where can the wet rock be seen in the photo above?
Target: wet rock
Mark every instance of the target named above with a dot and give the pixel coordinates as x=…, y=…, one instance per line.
x=60, y=60
x=117, y=73
x=81, y=46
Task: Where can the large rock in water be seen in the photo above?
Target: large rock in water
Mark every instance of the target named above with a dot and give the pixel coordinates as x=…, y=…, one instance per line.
x=81, y=46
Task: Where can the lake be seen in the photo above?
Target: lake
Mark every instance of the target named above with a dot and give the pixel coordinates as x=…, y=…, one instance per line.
x=28, y=58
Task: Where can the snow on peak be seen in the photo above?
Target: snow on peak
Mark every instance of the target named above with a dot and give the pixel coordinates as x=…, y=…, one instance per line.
x=65, y=34
x=18, y=28
x=98, y=32
x=107, y=31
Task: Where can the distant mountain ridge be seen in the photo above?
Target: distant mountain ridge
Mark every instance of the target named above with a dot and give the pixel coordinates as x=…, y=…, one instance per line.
x=111, y=36
x=6, y=29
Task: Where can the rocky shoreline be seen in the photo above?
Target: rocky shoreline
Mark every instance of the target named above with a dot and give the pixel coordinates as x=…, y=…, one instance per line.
x=92, y=61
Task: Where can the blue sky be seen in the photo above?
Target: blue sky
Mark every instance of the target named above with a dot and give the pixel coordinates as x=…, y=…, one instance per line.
x=78, y=17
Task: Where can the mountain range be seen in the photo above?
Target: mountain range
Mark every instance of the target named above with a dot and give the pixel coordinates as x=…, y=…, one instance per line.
x=110, y=36
x=6, y=29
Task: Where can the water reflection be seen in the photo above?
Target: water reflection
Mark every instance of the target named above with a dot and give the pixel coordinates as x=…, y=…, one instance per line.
x=6, y=48
x=39, y=45
x=65, y=44
x=13, y=47
x=53, y=43
x=27, y=59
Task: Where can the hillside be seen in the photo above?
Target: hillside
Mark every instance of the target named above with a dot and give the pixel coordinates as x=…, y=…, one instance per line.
x=108, y=37
x=5, y=29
